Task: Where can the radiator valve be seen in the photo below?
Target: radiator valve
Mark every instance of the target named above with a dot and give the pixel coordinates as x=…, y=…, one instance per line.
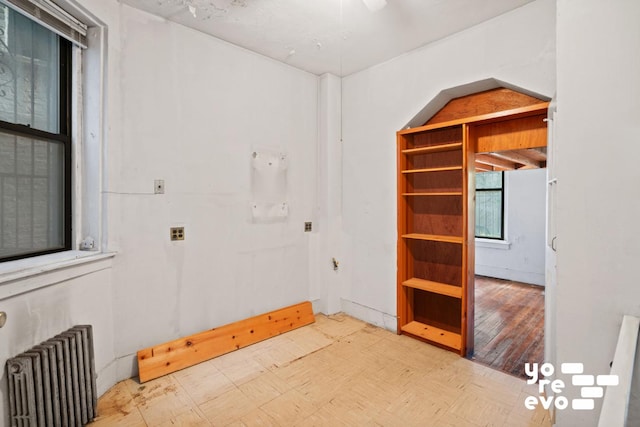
x=3, y=318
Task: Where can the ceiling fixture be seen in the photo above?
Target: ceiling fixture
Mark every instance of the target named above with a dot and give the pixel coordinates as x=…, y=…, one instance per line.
x=375, y=5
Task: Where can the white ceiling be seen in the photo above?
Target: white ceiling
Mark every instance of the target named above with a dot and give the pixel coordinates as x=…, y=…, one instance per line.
x=328, y=36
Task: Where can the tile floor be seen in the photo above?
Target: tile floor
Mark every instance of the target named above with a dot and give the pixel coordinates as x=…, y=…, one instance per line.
x=338, y=371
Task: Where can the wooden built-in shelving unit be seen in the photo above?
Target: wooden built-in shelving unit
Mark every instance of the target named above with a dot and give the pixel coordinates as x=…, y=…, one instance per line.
x=432, y=218
x=436, y=191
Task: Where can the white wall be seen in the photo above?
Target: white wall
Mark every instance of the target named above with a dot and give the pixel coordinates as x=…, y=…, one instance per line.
x=80, y=294
x=521, y=256
x=517, y=47
x=193, y=110
x=597, y=134
x=189, y=109
x=37, y=316
x=326, y=282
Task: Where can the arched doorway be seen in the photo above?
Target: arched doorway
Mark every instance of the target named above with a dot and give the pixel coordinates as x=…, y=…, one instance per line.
x=495, y=130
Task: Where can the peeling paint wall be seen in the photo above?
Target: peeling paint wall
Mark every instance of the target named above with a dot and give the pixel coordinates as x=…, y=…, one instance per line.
x=194, y=109
x=517, y=47
x=189, y=109
x=38, y=316
x=76, y=295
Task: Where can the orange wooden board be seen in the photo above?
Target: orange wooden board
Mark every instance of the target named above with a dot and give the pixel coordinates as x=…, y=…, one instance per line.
x=487, y=102
x=516, y=134
x=163, y=359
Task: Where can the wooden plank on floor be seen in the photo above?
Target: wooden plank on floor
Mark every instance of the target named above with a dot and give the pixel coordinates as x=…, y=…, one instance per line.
x=163, y=359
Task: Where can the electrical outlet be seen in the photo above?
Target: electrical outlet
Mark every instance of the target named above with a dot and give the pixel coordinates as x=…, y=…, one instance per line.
x=158, y=186
x=308, y=226
x=177, y=233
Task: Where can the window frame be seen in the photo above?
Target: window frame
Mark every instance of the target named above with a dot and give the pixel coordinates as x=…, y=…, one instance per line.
x=90, y=135
x=63, y=136
x=502, y=203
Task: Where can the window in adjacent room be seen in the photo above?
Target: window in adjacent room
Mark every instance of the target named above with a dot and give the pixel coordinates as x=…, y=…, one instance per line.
x=490, y=205
x=35, y=138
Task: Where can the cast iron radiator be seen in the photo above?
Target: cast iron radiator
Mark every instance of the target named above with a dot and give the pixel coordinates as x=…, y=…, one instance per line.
x=54, y=383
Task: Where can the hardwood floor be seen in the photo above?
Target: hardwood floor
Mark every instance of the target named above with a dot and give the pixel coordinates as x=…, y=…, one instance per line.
x=509, y=324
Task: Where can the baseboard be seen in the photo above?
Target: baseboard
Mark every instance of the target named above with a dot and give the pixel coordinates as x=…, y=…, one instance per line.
x=508, y=274
x=370, y=315
x=106, y=378
x=126, y=367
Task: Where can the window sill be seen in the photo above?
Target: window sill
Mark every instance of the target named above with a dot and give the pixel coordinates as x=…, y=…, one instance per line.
x=29, y=274
x=493, y=244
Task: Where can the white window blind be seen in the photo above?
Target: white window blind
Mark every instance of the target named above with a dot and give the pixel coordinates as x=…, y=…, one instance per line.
x=52, y=17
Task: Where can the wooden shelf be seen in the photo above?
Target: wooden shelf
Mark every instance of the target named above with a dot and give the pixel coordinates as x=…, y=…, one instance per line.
x=443, y=169
x=431, y=333
x=447, y=193
x=433, y=149
x=433, y=238
x=431, y=225
x=435, y=287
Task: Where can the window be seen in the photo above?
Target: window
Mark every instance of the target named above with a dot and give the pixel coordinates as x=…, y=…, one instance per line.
x=490, y=205
x=35, y=138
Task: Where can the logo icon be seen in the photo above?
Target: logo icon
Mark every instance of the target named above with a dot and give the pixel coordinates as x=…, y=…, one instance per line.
x=591, y=386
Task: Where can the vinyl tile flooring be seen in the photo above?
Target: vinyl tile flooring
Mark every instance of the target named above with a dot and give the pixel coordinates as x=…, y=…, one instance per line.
x=338, y=371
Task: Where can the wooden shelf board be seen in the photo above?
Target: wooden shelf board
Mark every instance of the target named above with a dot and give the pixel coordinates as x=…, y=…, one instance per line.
x=446, y=193
x=435, y=287
x=443, y=169
x=431, y=333
x=433, y=149
x=483, y=118
x=433, y=237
